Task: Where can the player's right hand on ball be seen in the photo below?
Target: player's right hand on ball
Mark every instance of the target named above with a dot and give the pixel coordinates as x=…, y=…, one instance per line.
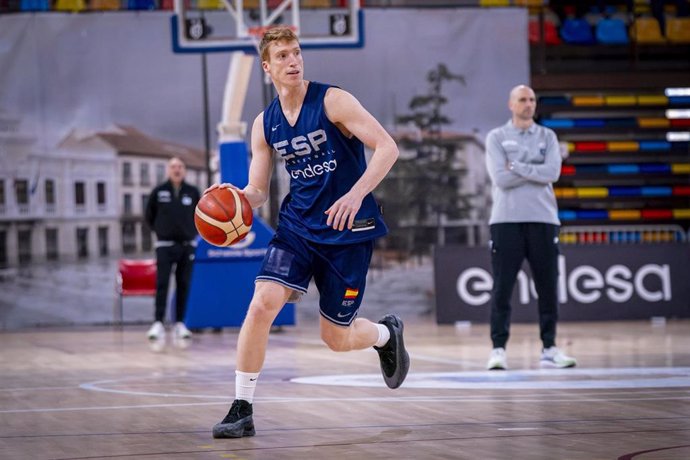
x=223, y=185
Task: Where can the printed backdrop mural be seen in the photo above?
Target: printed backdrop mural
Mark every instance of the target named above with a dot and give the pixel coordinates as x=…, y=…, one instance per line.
x=86, y=71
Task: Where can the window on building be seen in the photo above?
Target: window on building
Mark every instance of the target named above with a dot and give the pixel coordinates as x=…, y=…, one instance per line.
x=160, y=173
x=21, y=191
x=79, y=194
x=127, y=173
x=100, y=193
x=103, y=241
x=144, y=175
x=50, y=191
x=144, y=202
x=129, y=238
x=146, y=238
x=2, y=192
x=82, y=242
x=3, y=249
x=52, y=243
x=24, y=245
x=127, y=204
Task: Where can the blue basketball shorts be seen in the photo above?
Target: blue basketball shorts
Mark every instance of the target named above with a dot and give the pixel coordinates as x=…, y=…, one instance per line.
x=339, y=272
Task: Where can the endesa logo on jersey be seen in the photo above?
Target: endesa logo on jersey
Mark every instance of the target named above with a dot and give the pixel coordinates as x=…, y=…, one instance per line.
x=303, y=148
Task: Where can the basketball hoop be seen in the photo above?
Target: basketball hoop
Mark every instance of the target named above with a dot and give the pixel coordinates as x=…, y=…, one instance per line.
x=340, y=26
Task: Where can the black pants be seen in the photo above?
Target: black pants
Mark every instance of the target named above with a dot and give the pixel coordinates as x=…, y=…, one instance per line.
x=511, y=243
x=182, y=256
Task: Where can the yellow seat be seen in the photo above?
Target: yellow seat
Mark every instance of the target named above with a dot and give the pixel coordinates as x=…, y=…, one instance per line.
x=73, y=6
x=624, y=214
x=105, y=5
x=681, y=213
x=623, y=146
x=529, y=3
x=587, y=100
x=565, y=192
x=315, y=4
x=210, y=4
x=653, y=122
x=646, y=31
x=680, y=168
x=652, y=99
x=678, y=30
x=494, y=2
x=620, y=100
x=568, y=238
x=592, y=192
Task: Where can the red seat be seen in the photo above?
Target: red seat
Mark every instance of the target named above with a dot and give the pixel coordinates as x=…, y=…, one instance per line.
x=550, y=33
x=134, y=278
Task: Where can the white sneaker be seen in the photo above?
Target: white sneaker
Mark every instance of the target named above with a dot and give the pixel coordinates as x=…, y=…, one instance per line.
x=181, y=331
x=497, y=360
x=553, y=357
x=156, y=332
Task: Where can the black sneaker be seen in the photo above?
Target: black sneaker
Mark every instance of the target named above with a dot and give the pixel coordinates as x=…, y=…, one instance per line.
x=237, y=423
x=395, y=362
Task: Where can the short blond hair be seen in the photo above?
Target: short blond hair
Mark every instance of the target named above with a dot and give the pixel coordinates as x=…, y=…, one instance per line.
x=275, y=34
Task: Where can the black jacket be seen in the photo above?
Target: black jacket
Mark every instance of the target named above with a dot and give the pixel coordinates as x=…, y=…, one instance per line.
x=170, y=216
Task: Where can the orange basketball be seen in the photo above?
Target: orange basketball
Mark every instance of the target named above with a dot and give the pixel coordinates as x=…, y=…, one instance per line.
x=223, y=216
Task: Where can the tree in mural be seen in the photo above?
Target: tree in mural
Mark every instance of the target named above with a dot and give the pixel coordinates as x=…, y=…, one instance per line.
x=423, y=190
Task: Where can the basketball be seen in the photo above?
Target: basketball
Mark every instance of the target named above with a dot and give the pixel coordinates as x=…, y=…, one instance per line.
x=223, y=217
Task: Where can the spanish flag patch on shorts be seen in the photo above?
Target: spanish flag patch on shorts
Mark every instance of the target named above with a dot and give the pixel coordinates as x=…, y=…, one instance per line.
x=351, y=293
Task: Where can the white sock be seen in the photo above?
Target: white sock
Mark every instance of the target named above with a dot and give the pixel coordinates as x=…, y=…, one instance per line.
x=384, y=335
x=245, y=384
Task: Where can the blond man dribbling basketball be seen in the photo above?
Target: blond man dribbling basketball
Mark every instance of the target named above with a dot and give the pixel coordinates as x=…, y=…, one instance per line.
x=326, y=226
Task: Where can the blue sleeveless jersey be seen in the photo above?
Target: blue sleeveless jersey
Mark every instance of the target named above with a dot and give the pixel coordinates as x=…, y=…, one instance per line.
x=323, y=165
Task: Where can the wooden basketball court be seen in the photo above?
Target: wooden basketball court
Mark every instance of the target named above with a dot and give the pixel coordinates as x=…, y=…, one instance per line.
x=98, y=393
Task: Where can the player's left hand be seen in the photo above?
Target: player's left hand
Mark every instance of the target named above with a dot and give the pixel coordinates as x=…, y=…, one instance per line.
x=342, y=213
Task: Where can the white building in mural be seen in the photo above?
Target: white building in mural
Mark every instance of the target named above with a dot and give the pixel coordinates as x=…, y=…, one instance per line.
x=84, y=198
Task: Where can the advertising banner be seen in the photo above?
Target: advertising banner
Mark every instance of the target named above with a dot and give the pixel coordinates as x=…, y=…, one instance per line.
x=595, y=283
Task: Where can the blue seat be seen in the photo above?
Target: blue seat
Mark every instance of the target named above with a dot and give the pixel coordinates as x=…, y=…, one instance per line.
x=612, y=31
x=34, y=5
x=141, y=4
x=577, y=32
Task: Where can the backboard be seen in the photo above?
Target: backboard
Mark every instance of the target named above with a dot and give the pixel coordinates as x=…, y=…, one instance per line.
x=204, y=26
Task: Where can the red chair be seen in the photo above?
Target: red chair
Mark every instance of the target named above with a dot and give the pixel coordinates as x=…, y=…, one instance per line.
x=550, y=33
x=134, y=278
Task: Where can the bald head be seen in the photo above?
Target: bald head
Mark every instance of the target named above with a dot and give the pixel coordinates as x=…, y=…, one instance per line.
x=522, y=103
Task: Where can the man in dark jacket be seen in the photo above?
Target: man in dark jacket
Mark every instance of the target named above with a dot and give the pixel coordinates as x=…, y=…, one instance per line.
x=170, y=214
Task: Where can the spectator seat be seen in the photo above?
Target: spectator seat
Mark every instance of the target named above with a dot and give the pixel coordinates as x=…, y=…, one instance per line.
x=105, y=5
x=141, y=4
x=577, y=32
x=678, y=30
x=210, y=4
x=550, y=33
x=612, y=31
x=646, y=30
x=73, y=6
x=34, y=5
x=494, y=3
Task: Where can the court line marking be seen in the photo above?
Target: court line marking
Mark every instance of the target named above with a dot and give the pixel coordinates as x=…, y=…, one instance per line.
x=542, y=379
x=520, y=429
x=281, y=448
x=502, y=379
x=415, y=400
